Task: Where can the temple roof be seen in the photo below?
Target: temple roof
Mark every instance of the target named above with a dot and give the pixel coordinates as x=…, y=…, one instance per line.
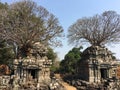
x=99, y=53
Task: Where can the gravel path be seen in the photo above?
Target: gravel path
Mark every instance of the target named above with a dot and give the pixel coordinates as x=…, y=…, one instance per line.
x=66, y=85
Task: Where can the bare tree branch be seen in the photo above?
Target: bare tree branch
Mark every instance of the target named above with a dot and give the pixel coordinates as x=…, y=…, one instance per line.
x=97, y=30
x=25, y=23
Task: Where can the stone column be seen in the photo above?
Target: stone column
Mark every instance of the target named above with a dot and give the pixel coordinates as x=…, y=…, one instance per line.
x=98, y=74
x=91, y=73
x=39, y=76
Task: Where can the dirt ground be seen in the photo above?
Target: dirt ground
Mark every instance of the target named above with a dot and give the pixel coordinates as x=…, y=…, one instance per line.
x=66, y=85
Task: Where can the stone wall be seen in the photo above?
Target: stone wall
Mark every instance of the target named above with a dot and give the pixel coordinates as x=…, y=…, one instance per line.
x=4, y=82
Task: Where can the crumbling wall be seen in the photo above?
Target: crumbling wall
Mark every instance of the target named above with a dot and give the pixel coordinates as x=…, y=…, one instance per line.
x=93, y=59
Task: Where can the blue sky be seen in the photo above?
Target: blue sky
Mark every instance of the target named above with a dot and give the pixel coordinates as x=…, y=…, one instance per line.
x=68, y=11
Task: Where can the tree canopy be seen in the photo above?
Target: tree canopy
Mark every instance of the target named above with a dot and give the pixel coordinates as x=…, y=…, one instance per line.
x=51, y=54
x=24, y=23
x=54, y=58
x=6, y=53
x=97, y=30
x=69, y=63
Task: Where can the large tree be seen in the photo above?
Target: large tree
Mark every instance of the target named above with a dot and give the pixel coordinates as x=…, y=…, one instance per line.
x=69, y=63
x=97, y=30
x=24, y=23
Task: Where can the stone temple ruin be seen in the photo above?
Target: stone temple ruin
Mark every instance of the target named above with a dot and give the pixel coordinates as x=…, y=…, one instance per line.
x=97, y=64
x=35, y=67
x=31, y=72
x=96, y=70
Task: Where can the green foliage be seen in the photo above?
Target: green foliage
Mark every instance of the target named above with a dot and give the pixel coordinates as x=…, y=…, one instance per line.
x=52, y=56
x=6, y=53
x=68, y=65
x=3, y=6
x=55, y=66
x=113, y=56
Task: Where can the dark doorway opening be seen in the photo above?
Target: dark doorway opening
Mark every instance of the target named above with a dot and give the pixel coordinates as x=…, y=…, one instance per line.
x=33, y=73
x=104, y=73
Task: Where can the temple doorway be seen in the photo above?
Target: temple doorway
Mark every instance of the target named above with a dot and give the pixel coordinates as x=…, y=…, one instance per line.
x=33, y=73
x=104, y=73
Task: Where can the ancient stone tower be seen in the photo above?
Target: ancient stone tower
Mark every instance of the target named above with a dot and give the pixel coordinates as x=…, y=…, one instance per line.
x=35, y=67
x=97, y=64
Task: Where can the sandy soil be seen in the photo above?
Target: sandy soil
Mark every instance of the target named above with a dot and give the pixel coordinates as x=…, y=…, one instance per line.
x=66, y=85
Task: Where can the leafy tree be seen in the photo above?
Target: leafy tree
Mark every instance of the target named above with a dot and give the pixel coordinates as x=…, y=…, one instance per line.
x=55, y=62
x=51, y=54
x=24, y=23
x=97, y=30
x=55, y=66
x=68, y=65
x=3, y=6
x=6, y=53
